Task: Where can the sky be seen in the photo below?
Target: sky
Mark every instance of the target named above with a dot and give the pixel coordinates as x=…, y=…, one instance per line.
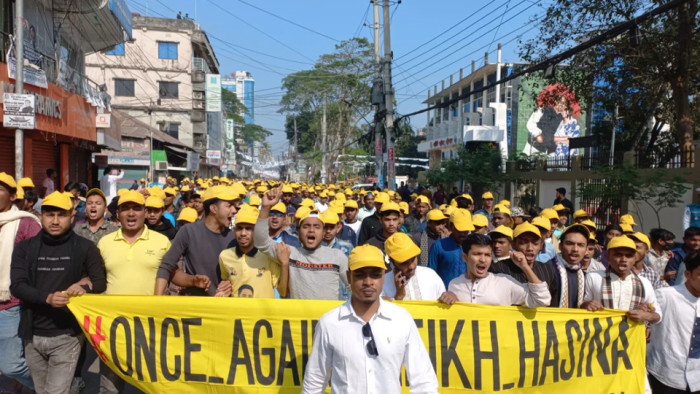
x=430, y=39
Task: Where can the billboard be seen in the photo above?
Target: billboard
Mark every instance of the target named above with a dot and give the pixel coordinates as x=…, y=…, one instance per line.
x=548, y=116
x=213, y=95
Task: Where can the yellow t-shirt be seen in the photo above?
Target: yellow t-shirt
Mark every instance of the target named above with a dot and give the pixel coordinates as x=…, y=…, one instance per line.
x=254, y=274
x=132, y=268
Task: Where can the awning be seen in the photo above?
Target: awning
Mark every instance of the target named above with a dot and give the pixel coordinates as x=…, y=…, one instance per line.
x=132, y=127
x=176, y=149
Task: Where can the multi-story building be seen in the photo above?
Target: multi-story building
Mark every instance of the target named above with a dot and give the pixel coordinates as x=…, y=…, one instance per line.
x=243, y=84
x=57, y=37
x=159, y=77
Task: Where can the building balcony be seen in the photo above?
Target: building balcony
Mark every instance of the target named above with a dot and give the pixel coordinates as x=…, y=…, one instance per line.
x=199, y=64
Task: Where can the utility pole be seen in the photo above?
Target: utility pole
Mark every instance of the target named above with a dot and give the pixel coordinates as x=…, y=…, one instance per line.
x=389, y=96
x=379, y=159
x=19, y=84
x=296, y=151
x=323, y=141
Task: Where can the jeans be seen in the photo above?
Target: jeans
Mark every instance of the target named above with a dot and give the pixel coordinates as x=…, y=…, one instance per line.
x=52, y=362
x=12, y=363
x=110, y=382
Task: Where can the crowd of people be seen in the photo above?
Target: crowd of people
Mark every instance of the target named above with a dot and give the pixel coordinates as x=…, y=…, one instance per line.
x=255, y=238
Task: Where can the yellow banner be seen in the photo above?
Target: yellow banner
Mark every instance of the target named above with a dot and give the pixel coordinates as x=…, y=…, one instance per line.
x=206, y=345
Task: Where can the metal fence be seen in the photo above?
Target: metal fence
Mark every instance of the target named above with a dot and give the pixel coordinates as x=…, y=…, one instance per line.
x=652, y=159
x=601, y=200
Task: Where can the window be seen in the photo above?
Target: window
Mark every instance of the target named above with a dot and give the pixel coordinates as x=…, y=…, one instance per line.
x=124, y=87
x=117, y=51
x=167, y=50
x=167, y=89
x=172, y=129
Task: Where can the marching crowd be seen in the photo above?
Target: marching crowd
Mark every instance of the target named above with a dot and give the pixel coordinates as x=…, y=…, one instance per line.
x=255, y=238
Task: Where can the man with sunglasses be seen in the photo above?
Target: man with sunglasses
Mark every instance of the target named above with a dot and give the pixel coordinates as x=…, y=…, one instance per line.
x=363, y=343
x=278, y=225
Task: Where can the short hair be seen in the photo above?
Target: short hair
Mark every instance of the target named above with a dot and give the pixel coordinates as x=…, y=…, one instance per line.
x=462, y=202
x=692, y=261
x=187, y=196
x=613, y=226
x=577, y=229
x=691, y=231
x=244, y=287
x=71, y=186
x=385, y=213
x=49, y=172
x=562, y=190
x=475, y=239
x=11, y=190
x=534, y=212
x=31, y=196
x=107, y=170
x=208, y=204
x=661, y=234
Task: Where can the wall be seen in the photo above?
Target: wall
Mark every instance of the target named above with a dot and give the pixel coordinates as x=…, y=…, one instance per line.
x=548, y=192
x=671, y=218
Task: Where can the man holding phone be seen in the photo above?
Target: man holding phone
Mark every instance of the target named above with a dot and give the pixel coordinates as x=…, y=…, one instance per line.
x=408, y=280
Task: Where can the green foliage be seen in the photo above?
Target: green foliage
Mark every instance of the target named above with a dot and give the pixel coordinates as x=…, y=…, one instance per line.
x=647, y=82
x=406, y=145
x=480, y=167
x=233, y=107
x=254, y=133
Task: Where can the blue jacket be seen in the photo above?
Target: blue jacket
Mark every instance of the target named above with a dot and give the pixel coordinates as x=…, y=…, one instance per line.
x=445, y=257
x=675, y=263
x=287, y=238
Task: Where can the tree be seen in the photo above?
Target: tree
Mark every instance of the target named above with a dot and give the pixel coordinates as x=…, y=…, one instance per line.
x=233, y=106
x=342, y=78
x=406, y=146
x=480, y=166
x=254, y=133
x=646, y=76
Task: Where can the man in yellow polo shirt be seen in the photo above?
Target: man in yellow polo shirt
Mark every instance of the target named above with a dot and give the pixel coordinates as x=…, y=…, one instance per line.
x=250, y=272
x=132, y=256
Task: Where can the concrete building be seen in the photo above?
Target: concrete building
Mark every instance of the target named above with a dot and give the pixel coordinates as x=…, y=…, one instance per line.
x=159, y=79
x=243, y=84
x=57, y=37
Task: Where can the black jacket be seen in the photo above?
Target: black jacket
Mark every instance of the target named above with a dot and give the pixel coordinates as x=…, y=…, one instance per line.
x=165, y=227
x=370, y=227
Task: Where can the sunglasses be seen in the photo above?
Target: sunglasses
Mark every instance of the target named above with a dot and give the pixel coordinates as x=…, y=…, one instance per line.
x=277, y=214
x=371, y=345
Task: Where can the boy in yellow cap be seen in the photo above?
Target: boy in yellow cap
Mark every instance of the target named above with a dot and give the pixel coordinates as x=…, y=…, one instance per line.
x=249, y=271
x=434, y=231
x=417, y=220
x=390, y=217
x=408, y=280
x=95, y=226
x=155, y=208
x=278, y=226
x=331, y=228
x=368, y=331
x=619, y=287
x=486, y=205
x=445, y=256
x=640, y=267
x=371, y=225
x=46, y=270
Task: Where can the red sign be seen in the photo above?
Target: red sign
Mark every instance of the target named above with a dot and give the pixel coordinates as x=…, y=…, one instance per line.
x=390, y=154
x=378, y=149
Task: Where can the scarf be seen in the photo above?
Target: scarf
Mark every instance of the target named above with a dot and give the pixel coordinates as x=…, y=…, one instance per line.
x=9, y=224
x=637, y=301
x=425, y=245
x=562, y=267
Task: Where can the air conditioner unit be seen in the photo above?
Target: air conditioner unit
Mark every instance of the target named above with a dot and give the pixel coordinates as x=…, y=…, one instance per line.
x=198, y=104
x=197, y=95
x=161, y=166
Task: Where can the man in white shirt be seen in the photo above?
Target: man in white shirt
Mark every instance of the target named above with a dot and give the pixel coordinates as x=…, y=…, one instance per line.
x=322, y=203
x=619, y=287
x=108, y=183
x=479, y=286
x=367, y=209
x=362, y=344
x=351, y=220
x=408, y=280
x=673, y=353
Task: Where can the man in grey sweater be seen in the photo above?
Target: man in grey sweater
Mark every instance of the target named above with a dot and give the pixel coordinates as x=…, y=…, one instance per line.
x=314, y=269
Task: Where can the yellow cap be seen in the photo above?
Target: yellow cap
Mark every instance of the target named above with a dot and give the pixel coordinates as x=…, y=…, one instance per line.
x=221, y=192
x=154, y=202
x=390, y=206
x=581, y=214
x=170, y=190
x=20, y=193
x=541, y=221
x=336, y=207
x=422, y=199
x=309, y=213
x=8, y=180
x=461, y=219
x=449, y=210
x=590, y=224
x=25, y=182
x=480, y=220
x=626, y=228
x=641, y=237
x=121, y=192
x=526, y=228
x=504, y=202
x=468, y=197
x=503, y=230
x=254, y=200
x=351, y=204
x=549, y=213
x=323, y=194
x=560, y=208
x=404, y=207
x=366, y=256
x=592, y=238
x=279, y=207
x=436, y=215
x=622, y=241
x=381, y=198
x=453, y=203
x=340, y=197
x=329, y=217
x=156, y=191
x=502, y=209
x=627, y=219
x=487, y=196
x=302, y=211
x=247, y=214
x=307, y=202
x=287, y=189
x=261, y=189
x=185, y=188
x=400, y=247
x=132, y=196
x=59, y=200
x=187, y=214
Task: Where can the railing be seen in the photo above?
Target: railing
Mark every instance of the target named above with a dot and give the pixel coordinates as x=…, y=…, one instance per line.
x=672, y=159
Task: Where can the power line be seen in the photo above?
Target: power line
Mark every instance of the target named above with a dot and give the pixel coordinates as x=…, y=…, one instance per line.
x=289, y=21
x=613, y=32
